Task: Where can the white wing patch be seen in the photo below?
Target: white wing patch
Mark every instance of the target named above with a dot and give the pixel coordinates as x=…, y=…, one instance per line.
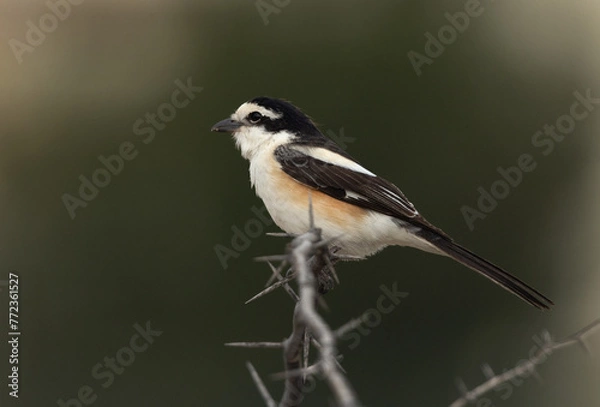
x=354, y=195
x=330, y=157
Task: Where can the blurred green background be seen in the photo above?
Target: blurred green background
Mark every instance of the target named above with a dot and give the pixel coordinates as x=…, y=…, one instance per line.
x=144, y=248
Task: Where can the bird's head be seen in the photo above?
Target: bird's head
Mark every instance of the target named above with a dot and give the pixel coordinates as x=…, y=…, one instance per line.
x=264, y=122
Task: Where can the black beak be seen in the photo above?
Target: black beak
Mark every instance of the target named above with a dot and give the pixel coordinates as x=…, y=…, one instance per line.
x=227, y=125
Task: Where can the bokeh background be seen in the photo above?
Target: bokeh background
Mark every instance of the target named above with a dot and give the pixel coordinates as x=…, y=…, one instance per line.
x=144, y=248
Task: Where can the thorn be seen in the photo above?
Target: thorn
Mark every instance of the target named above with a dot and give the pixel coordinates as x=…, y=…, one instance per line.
x=277, y=257
x=323, y=303
x=584, y=345
x=332, y=269
x=270, y=289
x=547, y=338
x=261, y=386
x=463, y=389
x=290, y=275
x=281, y=234
x=276, y=271
x=487, y=371
x=296, y=372
x=537, y=376
x=291, y=292
x=317, y=345
x=266, y=345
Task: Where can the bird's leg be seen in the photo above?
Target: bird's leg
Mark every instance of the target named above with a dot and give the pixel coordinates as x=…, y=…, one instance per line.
x=322, y=266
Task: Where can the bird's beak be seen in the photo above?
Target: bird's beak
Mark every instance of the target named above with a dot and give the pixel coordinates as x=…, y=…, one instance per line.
x=227, y=125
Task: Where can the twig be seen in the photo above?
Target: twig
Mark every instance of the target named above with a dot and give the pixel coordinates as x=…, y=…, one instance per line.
x=302, y=249
x=312, y=267
x=527, y=367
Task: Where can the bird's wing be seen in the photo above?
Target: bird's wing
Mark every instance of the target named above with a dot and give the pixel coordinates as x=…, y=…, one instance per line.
x=342, y=178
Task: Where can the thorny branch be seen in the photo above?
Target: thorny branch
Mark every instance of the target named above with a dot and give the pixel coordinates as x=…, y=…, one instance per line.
x=306, y=317
x=312, y=267
x=528, y=367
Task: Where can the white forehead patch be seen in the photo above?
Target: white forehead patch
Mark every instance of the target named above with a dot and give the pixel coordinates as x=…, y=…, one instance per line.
x=245, y=109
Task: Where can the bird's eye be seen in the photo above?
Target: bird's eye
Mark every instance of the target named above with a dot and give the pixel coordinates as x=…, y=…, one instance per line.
x=254, y=117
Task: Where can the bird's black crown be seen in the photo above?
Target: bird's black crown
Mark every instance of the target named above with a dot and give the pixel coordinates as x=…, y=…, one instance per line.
x=292, y=119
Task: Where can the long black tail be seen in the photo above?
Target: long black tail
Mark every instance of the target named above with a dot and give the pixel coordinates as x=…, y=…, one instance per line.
x=489, y=270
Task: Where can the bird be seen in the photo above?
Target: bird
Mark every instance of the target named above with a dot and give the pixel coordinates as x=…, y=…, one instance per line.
x=291, y=163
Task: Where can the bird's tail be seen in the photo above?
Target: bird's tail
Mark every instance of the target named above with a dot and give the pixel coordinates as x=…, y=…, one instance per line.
x=487, y=269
